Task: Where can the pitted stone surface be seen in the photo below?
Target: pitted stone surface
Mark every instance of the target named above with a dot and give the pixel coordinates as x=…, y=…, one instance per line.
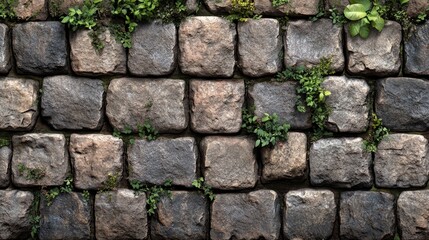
x=309, y=214
x=44, y=152
x=348, y=102
x=307, y=42
x=254, y=215
x=207, y=47
x=31, y=9
x=18, y=103
x=340, y=162
x=73, y=103
x=295, y=8
x=378, y=55
x=5, y=49
x=120, y=214
x=400, y=161
x=49, y=57
x=416, y=51
x=183, y=216
x=413, y=214
x=156, y=161
x=132, y=101
x=229, y=162
x=287, y=160
x=94, y=158
x=216, y=105
x=154, y=50
x=15, y=209
x=259, y=47
x=367, y=215
x=416, y=7
x=5, y=157
x=86, y=60
x=61, y=7
x=218, y=6
x=279, y=98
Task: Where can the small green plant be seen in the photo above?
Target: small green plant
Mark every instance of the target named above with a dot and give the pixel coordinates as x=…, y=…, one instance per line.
x=201, y=185
x=6, y=9
x=121, y=35
x=85, y=17
x=4, y=142
x=67, y=187
x=111, y=182
x=278, y=3
x=154, y=193
x=364, y=14
x=34, y=215
x=86, y=195
x=337, y=17
x=133, y=11
x=242, y=10
x=171, y=11
x=30, y=173
x=376, y=133
x=145, y=131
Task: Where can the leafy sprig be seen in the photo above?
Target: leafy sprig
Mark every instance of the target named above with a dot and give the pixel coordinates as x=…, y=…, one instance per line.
x=376, y=133
x=201, y=185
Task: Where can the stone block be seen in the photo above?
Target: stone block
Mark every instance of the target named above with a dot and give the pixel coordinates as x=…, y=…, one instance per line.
x=15, y=214
x=130, y=102
x=294, y=8
x=340, y=5
x=207, y=46
x=31, y=10
x=254, y=215
x=192, y=6
x=49, y=57
x=340, y=162
x=218, y=6
x=156, y=161
x=5, y=49
x=39, y=159
x=18, y=104
x=416, y=7
x=73, y=103
x=95, y=158
x=58, y=8
x=216, y=106
x=5, y=157
x=415, y=51
x=307, y=42
x=413, y=215
x=229, y=162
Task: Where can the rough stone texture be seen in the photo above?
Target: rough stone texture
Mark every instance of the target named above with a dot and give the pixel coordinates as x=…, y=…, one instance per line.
x=367, y=215
x=154, y=50
x=192, y=6
x=307, y=42
x=61, y=7
x=216, y=106
x=157, y=161
x=5, y=49
x=400, y=161
x=120, y=214
x=161, y=101
x=340, y=162
x=309, y=214
x=85, y=60
x=49, y=57
x=348, y=102
x=18, y=103
x=31, y=9
x=279, y=98
x=46, y=152
x=15, y=208
x=403, y=103
x=5, y=157
x=413, y=214
x=73, y=103
x=416, y=51
x=340, y=5
x=254, y=215
x=259, y=47
x=415, y=7
x=207, y=47
x=69, y=217
x=229, y=162
x=218, y=6
x=378, y=55
x=94, y=157
x=295, y=8
x=287, y=160
x=183, y=216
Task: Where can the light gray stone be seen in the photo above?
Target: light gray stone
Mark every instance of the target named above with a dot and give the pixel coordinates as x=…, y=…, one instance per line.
x=413, y=215
x=5, y=157
x=218, y=6
x=415, y=51
x=295, y=8
x=59, y=8
x=31, y=9
x=15, y=209
x=5, y=49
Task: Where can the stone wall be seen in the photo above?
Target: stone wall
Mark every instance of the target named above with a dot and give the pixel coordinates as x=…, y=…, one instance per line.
x=60, y=101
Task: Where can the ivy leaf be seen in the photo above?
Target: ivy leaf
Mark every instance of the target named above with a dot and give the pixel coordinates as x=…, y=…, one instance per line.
x=378, y=23
x=354, y=28
x=404, y=1
x=355, y=12
x=365, y=3
x=364, y=31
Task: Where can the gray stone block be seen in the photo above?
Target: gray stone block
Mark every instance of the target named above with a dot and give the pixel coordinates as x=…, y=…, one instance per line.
x=5, y=49
x=413, y=215
x=59, y=8
x=31, y=9
x=5, y=157
x=415, y=51
x=218, y=6
x=416, y=7
x=15, y=214
x=294, y=8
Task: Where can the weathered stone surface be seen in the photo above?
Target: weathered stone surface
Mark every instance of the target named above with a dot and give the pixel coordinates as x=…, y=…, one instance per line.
x=337, y=4
x=367, y=215
x=73, y=103
x=94, y=158
x=5, y=49
x=348, y=102
x=207, y=47
x=400, y=161
x=229, y=162
x=259, y=47
x=5, y=156
x=403, y=103
x=378, y=55
x=130, y=102
x=192, y=6
x=31, y=9
x=86, y=60
x=216, y=106
x=279, y=98
x=15, y=214
x=39, y=152
x=287, y=160
x=61, y=7
x=218, y=6
x=309, y=214
x=295, y=8
x=413, y=214
x=183, y=216
x=340, y=162
x=415, y=7
x=69, y=217
x=157, y=161
x=18, y=103
x=416, y=52
x=154, y=50
x=49, y=57
x=120, y=214
x=254, y=215
x=307, y=42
